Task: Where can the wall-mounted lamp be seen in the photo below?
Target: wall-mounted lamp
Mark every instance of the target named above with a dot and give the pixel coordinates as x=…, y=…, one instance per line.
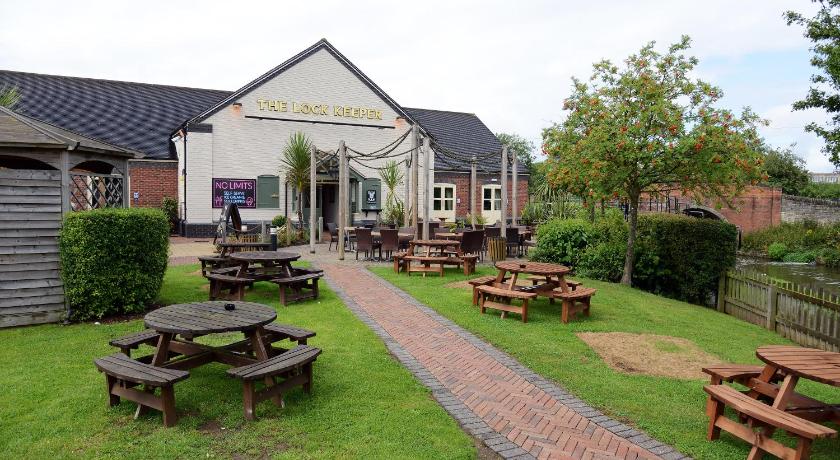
x=237, y=104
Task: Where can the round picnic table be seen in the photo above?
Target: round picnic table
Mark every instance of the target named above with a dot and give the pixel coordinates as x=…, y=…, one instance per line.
x=795, y=363
x=553, y=274
x=434, y=244
x=233, y=247
x=274, y=264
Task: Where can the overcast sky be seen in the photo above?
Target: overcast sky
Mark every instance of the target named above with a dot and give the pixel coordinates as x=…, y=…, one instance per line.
x=508, y=62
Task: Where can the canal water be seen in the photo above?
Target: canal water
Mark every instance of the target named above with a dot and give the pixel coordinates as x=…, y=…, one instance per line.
x=816, y=277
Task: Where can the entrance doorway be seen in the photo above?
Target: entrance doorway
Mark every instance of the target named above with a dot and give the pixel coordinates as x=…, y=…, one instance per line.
x=326, y=205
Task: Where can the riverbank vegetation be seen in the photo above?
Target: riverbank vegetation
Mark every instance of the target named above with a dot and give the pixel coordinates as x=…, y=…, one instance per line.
x=803, y=241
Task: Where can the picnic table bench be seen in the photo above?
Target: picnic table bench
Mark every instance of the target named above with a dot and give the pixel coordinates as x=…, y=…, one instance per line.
x=487, y=292
x=302, y=286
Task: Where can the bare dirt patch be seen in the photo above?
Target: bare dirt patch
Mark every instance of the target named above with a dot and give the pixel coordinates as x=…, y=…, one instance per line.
x=648, y=354
x=458, y=285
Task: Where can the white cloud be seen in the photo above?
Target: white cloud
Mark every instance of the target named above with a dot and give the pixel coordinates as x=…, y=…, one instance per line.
x=509, y=62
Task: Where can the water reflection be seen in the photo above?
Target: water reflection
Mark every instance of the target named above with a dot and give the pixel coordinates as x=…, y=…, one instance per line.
x=813, y=276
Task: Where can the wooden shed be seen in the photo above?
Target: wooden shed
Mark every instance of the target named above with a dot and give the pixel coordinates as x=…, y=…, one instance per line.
x=46, y=171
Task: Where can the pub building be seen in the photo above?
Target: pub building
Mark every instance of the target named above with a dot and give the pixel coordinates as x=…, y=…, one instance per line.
x=207, y=147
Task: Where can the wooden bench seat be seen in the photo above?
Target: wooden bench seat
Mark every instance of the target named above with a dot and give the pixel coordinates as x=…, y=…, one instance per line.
x=480, y=281
x=133, y=341
x=467, y=261
x=293, y=366
x=399, y=262
x=276, y=332
x=574, y=302
x=768, y=416
x=487, y=292
x=738, y=373
x=213, y=262
x=220, y=283
x=122, y=373
x=297, y=284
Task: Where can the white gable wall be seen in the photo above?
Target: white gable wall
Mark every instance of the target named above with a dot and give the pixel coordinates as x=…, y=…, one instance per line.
x=243, y=147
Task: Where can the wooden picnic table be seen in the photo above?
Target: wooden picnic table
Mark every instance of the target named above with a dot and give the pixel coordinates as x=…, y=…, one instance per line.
x=553, y=275
x=796, y=363
x=439, y=252
x=449, y=235
x=230, y=248
x=274, y=264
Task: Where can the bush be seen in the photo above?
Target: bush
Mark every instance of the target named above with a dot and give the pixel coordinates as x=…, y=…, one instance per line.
x=603, y=261
x=777, y=251
x=113, y=260
x=278, y=221
x=804, y=257
x=169, y=206
x=821, y=190
x=830, y=257
x=681, y=256
x=562, y=241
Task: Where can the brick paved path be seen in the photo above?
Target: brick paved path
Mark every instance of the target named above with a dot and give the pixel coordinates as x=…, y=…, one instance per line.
x=511, y=409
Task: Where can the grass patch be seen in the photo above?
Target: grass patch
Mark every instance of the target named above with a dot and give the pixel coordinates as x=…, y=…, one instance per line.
x=671, y=410
x=364, y=404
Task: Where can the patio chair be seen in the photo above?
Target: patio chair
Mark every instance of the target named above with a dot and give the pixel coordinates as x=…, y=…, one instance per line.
x=404, y=241
x=390, y=242
x=333, y=232
x=512, y=237
x=473, y=242
x=364, y=242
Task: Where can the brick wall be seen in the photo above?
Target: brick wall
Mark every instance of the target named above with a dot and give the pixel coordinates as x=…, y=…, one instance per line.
x=462, y=190
x=756, y=208
x=801, y=208
x=154, y=180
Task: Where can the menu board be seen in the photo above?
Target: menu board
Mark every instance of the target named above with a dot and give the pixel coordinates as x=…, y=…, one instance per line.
x=242, y=192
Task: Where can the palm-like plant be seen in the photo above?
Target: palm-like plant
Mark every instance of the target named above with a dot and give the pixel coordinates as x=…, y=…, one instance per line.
x=391, y=176
x=295, y=164
x=9, y=96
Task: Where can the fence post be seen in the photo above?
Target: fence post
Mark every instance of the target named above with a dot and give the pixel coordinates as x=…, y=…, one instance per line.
x=721, y=294
x=772, y=306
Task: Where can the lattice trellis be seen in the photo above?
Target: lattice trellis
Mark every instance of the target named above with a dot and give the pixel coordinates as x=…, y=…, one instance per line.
x=93, y=191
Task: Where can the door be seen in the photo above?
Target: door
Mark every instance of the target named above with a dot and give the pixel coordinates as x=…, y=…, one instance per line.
x=319, y=190
x=491, y=203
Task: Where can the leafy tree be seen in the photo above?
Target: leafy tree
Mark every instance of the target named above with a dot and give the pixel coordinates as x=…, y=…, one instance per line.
x=523, y=148
x=786, y=170
x=9, y=96
x=649, y=128
x=824, y=31
x=295, y=164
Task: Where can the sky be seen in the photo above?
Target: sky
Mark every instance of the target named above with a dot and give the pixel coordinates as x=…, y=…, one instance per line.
x=510, y=62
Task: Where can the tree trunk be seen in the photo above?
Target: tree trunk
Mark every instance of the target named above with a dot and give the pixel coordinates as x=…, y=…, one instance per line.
x=603, y=211
x=592, y=212
x=630, y=256
x=300, y=207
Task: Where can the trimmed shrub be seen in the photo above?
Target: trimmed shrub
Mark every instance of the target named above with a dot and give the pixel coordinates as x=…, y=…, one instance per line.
x=681, y=256
x=278, y=221
x=777, y=251
x=113, y=260
x=603, y=261
x=169, y=206
x=562, y=241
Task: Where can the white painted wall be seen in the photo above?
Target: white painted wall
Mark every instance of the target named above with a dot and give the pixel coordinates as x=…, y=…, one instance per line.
x=244, y=148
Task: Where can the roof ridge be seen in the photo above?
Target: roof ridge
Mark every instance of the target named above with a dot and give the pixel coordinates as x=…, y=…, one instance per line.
x=438, y=110
x=159, y=85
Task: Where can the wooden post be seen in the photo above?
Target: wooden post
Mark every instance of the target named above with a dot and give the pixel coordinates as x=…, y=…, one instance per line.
x=504, y=190
x=313, y=197
x=348, y=192
x=288, y=221
x=407, y=202
x=473, y=183
x=721, y=293
x=415, y=176
x=514, y=192
x=427, y=195
x=772, y=305
x=342, y=197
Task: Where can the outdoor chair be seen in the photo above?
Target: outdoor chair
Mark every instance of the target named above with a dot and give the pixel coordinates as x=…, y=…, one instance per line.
x=364, y=242
x=333, y=232
x=390, y=242
x=512, y=237
x=403, y=241
x=472, y=242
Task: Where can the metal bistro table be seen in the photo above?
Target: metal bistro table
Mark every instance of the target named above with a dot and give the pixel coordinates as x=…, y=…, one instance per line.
x=191, y=320
x=273, y=264
x=795, y=363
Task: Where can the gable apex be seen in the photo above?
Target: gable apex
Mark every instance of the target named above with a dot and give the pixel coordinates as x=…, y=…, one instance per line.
x=321, y=44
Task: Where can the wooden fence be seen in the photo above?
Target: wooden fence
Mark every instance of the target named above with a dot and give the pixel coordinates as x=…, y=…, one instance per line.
x=808, y=318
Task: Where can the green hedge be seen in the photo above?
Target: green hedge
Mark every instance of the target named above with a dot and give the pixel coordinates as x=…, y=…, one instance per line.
x=562, y=241
x=681, y=256
x=113, y=260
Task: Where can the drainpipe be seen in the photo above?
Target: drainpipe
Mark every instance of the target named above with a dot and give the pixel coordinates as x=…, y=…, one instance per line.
x=185, y=183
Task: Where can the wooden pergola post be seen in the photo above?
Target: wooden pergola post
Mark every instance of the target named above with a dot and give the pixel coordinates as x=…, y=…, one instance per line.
x=313, y=186
x=504, y=190
x=415, y=176
x=427, y=195
x=473, y=184
x=514, y=191
x=407, y=202
x=342, y=198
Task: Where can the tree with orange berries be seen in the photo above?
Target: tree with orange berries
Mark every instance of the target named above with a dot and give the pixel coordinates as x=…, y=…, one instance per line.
x=649, y=128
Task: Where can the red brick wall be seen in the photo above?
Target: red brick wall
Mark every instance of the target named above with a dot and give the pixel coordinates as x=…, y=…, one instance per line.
x=462, y=190
x=756, y=208
x=154, y=180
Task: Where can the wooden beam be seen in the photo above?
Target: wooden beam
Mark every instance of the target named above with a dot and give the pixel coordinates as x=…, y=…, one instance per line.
x=342, y=198
x=504, y=182
x=427, y=193
x=313, y=199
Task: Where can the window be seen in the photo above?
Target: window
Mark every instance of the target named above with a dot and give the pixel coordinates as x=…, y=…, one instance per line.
x=443, y=198
x=268, y=192
x=492, y=199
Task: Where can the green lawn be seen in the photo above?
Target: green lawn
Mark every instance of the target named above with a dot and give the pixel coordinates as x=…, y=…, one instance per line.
x=669, y=409
x=364, y=404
